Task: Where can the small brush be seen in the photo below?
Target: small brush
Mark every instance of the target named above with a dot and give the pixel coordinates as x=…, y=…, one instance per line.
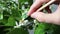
x=44, y=6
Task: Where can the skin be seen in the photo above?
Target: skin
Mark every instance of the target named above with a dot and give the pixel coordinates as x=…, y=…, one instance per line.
x=53, y=18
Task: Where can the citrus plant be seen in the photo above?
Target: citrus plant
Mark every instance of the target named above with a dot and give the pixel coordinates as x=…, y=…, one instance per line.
x=13, y=19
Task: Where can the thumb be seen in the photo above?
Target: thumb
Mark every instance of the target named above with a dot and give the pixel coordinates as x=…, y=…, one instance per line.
x=40, y=16
x=48, y=18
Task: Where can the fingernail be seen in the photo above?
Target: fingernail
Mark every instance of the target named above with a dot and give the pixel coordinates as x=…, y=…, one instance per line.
x=33, y=15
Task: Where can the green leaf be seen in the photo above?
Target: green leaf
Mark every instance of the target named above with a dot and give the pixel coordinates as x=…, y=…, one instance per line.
x=16, y=14
x=24, y=14
x=11, y=21
x=18, y=31
x=42, y=28
x=1, y=16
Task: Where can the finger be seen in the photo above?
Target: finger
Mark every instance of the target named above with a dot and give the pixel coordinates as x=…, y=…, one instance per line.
x=42, y=17
x=36, y=5
x=39, y=16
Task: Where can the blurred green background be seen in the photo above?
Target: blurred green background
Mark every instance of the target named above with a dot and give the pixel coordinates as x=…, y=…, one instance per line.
x=12, y=12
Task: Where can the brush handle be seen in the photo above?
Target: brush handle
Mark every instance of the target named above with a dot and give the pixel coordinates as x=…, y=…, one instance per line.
x=44, y=6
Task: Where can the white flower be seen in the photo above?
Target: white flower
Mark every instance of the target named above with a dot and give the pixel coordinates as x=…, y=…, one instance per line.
x=21, y=24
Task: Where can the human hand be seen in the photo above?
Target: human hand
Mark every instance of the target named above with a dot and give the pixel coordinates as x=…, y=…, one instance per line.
x=42, y=17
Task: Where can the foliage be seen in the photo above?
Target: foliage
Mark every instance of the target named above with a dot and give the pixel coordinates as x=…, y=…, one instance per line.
x=10, y=14
x=13, y=19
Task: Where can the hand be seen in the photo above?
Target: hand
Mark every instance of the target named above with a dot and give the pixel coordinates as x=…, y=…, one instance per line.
x=53, y=18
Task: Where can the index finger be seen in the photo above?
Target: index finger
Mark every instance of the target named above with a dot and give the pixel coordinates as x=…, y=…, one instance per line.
x=36, y=5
